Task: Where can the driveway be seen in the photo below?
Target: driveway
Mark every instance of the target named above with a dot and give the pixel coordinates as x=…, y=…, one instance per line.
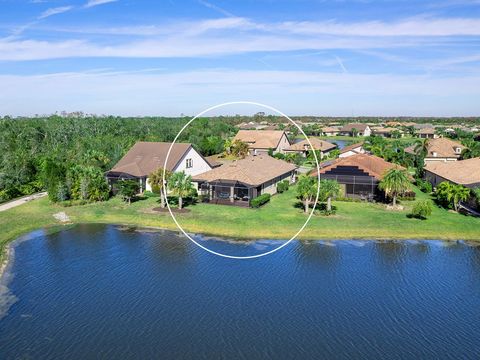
x=23, y=200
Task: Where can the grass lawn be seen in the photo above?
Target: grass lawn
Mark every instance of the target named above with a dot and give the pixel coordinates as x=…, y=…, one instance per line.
x=278, y=219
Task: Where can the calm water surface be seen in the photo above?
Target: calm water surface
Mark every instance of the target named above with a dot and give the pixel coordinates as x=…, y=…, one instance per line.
x=102, y=292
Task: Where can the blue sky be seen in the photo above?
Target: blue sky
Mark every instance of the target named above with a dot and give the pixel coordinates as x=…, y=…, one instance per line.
x=330, y=57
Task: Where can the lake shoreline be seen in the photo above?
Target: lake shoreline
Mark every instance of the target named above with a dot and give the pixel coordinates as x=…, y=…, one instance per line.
x=8, y=250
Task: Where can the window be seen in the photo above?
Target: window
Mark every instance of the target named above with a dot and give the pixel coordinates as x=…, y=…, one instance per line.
x=189, y=163
x=458, y=150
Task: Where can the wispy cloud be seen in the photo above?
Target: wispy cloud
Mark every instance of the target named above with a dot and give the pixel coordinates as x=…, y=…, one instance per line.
x=92, y=3
x=54, y=11
x=215, y=8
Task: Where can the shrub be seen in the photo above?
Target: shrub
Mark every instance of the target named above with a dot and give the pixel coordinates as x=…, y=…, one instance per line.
x=407, y=196
x=476, y=194
x=424, y=186
x=260, y=200
x=283, y=186
x=422, y=209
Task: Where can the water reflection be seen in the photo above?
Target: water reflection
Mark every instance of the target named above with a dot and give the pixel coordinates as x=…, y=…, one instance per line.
x=390, y=253
x=324, y=254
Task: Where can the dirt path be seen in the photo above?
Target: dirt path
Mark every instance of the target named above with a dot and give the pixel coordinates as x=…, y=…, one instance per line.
x=23, y=200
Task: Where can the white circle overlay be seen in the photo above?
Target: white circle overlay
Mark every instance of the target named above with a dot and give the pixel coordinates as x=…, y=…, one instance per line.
x=164, y=189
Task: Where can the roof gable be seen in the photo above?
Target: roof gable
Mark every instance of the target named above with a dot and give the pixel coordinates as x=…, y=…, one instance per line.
x=261, y=139
x=371, y=164
x=145, y=157
x=253, y=170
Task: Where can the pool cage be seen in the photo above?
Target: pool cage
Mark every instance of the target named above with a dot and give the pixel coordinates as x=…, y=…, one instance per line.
x=227, y=192
x=357, y=187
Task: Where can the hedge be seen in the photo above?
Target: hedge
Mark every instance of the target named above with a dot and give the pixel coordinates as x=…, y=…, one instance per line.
x=260, y=200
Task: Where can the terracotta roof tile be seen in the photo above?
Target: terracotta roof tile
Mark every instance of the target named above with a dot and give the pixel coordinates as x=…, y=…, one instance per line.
x=253, y=170
x=464, y=172
x=371, y=164
x=145, y=157
x=260, y=139
x=317, y=144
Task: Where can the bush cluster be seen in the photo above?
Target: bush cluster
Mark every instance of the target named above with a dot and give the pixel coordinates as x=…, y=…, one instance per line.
x=422, y=209
x=283, y=186
x=260, y=200
x=424, y=186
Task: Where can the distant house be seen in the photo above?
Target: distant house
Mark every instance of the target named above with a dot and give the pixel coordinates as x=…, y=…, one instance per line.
x=427, y=133
x=440, y=149
x=261, y=141
x=358, y=175
x=356, y=129
x=303, y=147
x=386, y=132
x=146, y=157
x=330, y=131
x=463, y=172
x=251, y=126
x=238, y=182
x=352, y=150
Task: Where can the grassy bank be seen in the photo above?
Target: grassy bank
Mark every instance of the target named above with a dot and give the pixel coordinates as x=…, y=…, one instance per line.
x=278, y=219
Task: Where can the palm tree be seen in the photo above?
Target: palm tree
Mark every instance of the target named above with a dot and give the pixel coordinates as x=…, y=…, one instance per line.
x=329, y=189
x=306, y=189
x=181, y=185
x=395, y=182
x=227, y=146
x=239, y=149
x=156, y=181
x=459, y=193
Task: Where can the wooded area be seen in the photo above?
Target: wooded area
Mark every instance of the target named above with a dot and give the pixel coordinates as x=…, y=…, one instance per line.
x=57, y=152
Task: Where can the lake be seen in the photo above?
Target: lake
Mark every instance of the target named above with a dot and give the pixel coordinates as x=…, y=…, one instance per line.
x=99, y=291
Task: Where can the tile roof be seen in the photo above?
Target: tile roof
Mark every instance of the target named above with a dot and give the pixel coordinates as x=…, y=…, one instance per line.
x=350, y=147
x=426, y=131
x=145, y=157
x=350, y=127
x=260, y=139
x=253, y=170
x=464, y=172
x=371, y=164
x=444, y=147
x=317, y=144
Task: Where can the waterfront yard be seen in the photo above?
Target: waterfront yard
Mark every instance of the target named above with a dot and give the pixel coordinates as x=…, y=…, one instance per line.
x=279, y=219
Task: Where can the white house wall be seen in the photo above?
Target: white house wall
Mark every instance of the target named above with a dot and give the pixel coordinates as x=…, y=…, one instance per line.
x=200, y=165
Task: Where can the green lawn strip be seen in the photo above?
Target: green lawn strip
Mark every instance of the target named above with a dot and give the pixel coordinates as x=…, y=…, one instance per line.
x=278, y=219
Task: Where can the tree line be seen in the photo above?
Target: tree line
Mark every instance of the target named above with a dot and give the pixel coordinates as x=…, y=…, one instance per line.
x=68, y=156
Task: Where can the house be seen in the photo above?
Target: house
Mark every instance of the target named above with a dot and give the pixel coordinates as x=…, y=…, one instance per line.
x=352, y=150
x=261, y=141
x=240, y=181
x=358, y=175
x=251, y=126
x=303, y=147
x=427, y=133
x=146, y=157
x=386, y=132
x=356, y=129
x=440, y=149
x=462, y=172
x=330, y=131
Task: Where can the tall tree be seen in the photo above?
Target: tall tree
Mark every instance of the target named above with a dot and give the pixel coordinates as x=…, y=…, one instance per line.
x=328, y=190
x=239, y=149
x=157, y=184
x=452, y=193
x=181, y=185
x=128, y=189
x=394, y=183
x=307, y=190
